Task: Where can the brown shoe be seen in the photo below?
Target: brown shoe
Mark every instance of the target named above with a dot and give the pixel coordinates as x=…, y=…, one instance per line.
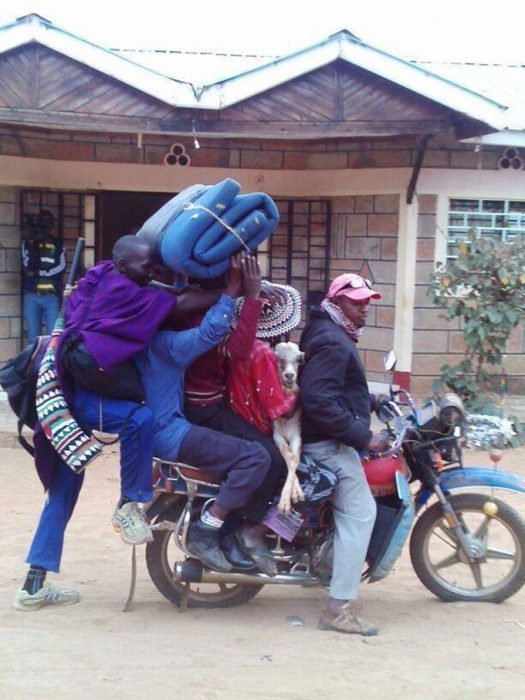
x=347, y=620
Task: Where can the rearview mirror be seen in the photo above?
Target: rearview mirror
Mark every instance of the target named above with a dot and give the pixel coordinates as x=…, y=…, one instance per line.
x=390, y=360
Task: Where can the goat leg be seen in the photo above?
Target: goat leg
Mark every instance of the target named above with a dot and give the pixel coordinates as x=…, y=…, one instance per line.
x=297, y=492
x=292, y=491
x=285, y=502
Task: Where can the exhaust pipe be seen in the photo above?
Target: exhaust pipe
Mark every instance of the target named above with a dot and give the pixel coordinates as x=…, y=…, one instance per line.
x=192, y=571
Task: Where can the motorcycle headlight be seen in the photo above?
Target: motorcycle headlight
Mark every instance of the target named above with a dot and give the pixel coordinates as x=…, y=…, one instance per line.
x=451, y=410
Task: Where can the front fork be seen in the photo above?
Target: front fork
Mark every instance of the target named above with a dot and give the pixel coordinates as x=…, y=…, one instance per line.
x=467, y=544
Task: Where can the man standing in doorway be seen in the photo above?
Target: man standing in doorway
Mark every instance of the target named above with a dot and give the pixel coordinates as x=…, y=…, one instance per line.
x=43, y=262
x=336, y=426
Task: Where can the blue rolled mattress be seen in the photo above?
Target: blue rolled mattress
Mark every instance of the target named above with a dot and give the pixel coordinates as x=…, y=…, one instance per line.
x=197, y=231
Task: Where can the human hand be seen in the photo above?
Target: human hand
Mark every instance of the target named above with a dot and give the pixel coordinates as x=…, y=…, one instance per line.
x=272, y=296
x=69, y=289
x=233, y=287
x=251, y=276
x=378, y=444
x=377, y=400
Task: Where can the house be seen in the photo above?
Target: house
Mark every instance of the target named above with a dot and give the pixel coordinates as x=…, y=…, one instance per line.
x=377, y=164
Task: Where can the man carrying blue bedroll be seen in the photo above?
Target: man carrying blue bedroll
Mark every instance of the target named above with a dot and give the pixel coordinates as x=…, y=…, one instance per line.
x=243, y=464
x=110, y=317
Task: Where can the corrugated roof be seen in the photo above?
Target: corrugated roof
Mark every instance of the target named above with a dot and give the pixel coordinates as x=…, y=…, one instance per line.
x=502, y=83
x=214, y=80
x=196, y=67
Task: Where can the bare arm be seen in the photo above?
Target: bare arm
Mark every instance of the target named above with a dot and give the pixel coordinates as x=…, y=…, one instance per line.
x=194, y=302
x=239, y=342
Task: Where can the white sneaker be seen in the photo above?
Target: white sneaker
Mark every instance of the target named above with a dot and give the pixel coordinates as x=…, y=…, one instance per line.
x=132, y=524
x=47, y=595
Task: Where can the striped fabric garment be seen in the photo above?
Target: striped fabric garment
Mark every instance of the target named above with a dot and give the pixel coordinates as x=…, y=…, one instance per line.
x=74, y=446
x=255, y=389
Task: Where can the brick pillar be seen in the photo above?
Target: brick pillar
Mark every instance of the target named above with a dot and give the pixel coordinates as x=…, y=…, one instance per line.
x=405, y=288
x=364, y=240
x=10, y=313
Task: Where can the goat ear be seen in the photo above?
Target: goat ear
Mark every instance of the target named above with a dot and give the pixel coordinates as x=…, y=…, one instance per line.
x=301, y=358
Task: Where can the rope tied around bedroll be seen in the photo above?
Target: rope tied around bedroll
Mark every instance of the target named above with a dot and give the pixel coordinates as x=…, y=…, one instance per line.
x=196, y=232
x=191, y=206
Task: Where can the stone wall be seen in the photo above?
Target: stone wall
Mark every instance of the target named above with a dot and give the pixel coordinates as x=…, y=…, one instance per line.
x=438, y=340
x=364, y=240
x=364, y=229
x=9, y=273
x=443, y=152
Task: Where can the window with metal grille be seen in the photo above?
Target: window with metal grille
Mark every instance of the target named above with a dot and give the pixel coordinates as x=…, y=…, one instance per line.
x=500, y=219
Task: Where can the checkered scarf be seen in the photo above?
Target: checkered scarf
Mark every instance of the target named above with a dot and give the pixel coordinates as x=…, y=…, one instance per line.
x=338, y=317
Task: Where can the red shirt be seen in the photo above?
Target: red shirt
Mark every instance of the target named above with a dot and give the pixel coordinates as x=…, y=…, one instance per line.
x=205, y=380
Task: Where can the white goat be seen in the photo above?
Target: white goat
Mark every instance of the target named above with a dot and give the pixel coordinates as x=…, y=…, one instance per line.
x=287, y=429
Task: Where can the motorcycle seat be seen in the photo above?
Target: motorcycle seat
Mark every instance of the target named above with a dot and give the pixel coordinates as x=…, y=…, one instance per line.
x=190, y=473
x=195, y=474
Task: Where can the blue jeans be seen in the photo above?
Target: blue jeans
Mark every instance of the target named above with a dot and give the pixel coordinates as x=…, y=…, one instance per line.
x=38, y=308
x=135, y=424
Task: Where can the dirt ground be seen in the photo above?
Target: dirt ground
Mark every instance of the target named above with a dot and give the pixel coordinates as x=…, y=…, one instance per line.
x=426, y=649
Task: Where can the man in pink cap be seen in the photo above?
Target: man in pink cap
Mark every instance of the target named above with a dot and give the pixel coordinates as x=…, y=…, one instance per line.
x=336, y=411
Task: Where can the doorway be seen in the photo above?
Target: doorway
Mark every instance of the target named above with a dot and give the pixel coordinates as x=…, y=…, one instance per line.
x=122, y=213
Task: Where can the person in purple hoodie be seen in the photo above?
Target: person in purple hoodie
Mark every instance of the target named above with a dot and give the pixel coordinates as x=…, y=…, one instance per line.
x=110, y=317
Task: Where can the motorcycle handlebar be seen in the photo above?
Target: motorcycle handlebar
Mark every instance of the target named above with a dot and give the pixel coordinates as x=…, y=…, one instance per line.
x=408, y=398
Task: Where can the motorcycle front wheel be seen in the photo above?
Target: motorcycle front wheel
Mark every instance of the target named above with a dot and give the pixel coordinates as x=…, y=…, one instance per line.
x=498, y=569
x=161, y=556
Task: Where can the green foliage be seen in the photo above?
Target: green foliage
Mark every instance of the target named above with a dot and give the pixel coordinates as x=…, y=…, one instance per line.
x=485, y=289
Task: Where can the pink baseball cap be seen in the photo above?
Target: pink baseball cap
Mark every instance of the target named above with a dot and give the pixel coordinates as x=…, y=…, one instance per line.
x=352, y=286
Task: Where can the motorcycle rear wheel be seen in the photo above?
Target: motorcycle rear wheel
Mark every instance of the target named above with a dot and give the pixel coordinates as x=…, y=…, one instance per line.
x=443, y=568
x=161, y=555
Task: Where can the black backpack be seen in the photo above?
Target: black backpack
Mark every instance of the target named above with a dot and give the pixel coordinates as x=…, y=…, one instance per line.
x=18, y=379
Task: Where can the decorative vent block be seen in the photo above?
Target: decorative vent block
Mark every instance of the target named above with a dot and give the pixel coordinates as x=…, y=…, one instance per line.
x=510, y=160
x=177, y=156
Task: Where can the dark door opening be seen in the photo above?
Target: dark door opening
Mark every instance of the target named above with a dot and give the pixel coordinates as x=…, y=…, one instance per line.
x=122, y=213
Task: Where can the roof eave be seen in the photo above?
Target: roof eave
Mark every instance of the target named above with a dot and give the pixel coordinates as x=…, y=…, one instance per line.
x=507, y=137
x=340, y=46
x=258, y=80
x=425, y=83
x=167, y=90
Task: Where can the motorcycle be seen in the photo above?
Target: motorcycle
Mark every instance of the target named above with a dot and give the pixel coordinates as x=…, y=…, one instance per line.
x=463, y=546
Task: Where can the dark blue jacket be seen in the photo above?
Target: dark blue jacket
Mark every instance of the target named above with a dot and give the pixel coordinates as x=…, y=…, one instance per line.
x=334, y=393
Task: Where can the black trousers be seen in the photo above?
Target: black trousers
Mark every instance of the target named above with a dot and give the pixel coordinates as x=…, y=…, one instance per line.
x=222, y=418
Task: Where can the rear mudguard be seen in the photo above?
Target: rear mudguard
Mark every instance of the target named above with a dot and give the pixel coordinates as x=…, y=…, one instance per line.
x=467, y=477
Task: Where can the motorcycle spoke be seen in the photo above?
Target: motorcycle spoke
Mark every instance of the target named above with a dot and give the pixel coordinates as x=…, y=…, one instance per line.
x=483, y=529
x=476, y=573
x=448, y=561
x=451, y=540
x=492, y=553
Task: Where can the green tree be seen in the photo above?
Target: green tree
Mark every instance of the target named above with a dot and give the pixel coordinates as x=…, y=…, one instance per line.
x=485, y=288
